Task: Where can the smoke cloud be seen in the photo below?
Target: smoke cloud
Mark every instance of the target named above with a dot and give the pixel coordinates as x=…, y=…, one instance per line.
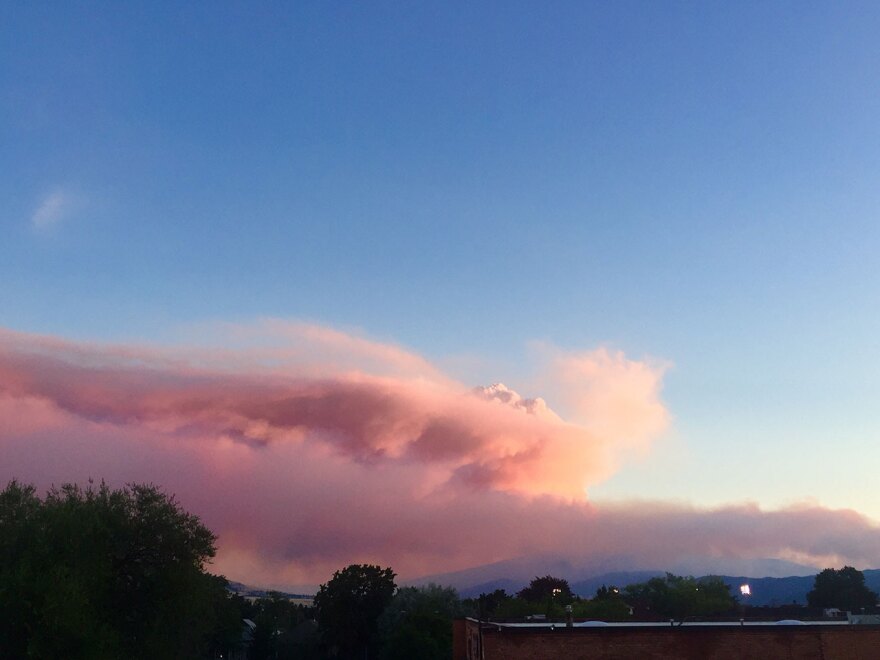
x=305, y=448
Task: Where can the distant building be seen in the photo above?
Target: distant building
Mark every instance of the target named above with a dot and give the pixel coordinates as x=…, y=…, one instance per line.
x=656, y=641
x=863, y=619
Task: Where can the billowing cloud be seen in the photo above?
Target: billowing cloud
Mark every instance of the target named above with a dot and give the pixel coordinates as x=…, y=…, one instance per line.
x=489, y=438
x=375, y=457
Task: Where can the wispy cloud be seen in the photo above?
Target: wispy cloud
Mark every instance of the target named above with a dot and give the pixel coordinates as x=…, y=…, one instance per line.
x=52, y=209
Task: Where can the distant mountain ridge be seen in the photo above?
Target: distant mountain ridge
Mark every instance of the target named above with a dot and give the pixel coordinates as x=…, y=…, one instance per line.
x=765, y=591
x=516, y=573
x=778, y=582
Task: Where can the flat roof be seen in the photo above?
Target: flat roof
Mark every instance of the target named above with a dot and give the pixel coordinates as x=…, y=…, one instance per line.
x=593, y=625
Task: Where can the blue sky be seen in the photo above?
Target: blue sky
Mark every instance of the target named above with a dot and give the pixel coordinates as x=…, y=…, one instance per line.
x=694, y=182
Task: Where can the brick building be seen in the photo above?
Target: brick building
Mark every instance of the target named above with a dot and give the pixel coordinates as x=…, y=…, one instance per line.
x=726, y=641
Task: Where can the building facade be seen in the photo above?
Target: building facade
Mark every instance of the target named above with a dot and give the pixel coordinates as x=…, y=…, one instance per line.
x=732, y=641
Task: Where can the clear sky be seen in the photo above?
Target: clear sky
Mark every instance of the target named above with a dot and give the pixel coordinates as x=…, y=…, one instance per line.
x=695, y=184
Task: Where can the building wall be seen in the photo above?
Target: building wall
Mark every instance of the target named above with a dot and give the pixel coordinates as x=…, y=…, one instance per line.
x=679, y=643
x=460, y=631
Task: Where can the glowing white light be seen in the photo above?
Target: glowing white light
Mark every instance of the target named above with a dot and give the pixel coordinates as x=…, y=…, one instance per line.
x=745, y=590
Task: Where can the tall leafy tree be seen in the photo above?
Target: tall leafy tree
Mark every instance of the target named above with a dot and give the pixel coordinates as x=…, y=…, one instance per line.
x=103, y=573
x=844, y=589
x=348, y=609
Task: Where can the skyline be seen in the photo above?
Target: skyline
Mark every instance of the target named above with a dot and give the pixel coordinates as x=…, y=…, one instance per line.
x=661, y=220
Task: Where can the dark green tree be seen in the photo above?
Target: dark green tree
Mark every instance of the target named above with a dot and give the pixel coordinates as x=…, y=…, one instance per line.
x=284, y=628
x=844, y=589
x=418, y=623
x=607, y=593
x=275, y=617
x=101, y=573
x=682, y=597
x=20, y=563
x=607, y=605
x=264, y=642
x=547, y=588
x=225, y=618
x=486, y=604
x=301, y=642
x=348, y=609
x=517, y=608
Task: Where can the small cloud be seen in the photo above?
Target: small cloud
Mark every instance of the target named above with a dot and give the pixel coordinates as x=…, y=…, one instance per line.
x=52, y=209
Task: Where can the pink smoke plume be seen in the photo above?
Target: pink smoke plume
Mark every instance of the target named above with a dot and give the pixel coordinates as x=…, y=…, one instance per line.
x=486, y=438
x=305, y=448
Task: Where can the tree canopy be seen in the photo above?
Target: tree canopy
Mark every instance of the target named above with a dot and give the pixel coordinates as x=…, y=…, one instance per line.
x=607, y=604
x=102, y=573
x=417, y=623
x=547, y=587
x=349, y=606
x=680, y=597
x=488, y=603
x=284, y=629
x=844, y=589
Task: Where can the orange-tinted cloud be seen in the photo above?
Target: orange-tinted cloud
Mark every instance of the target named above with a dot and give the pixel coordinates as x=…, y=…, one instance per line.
x=378, y=457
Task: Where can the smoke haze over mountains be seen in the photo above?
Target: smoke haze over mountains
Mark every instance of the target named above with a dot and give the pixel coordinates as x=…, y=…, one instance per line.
x=305, y=448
